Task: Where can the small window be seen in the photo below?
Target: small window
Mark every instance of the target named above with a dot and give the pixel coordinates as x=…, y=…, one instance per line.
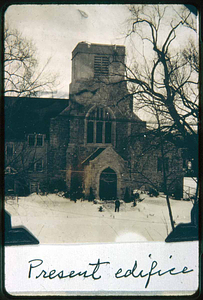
x=36, y=140
x=31, y=140
x=9, y=150
x=39, y=165
x=31, y=167
x=36, y=166
x=39, y=140
x=101, y=65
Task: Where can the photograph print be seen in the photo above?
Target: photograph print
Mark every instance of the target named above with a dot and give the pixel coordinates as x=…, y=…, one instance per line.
x=101, y=124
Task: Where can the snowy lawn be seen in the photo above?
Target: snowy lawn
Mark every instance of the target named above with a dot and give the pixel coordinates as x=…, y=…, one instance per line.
x=53, y=219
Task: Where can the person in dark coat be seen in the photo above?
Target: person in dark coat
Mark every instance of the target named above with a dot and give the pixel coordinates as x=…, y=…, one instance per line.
x=117, y=205
x=74, y=196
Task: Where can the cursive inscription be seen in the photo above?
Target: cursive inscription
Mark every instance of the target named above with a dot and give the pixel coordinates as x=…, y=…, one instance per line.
x=36, y=271
x=141, y=273
x=36, y=263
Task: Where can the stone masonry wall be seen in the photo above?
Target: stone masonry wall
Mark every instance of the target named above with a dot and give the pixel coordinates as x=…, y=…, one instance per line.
x=59, y=139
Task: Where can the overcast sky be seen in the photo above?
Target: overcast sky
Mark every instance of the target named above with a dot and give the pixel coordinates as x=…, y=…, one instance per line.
x=57, y=29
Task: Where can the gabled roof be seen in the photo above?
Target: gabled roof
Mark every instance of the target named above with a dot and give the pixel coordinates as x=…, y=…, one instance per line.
x=93, y=155
x=27, y=115
x=100, y=153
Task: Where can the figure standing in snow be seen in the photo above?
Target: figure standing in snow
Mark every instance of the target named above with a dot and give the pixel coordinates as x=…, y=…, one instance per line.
x=117, y=205
x=136, y=198
x=74, y=197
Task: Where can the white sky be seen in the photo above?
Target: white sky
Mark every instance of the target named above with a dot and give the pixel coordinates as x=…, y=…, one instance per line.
x=57, y=29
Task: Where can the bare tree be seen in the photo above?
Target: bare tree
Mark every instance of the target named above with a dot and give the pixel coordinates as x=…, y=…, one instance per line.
x=22, y=78
x=22, y=75
x=23, y=163
x=156, y=164
x=165, y=79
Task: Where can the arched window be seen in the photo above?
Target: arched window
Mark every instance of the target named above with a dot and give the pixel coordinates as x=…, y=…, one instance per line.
x=99, y=126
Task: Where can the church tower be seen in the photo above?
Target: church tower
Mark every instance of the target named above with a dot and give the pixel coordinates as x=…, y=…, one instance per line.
x=98, y=76
x=97, y=123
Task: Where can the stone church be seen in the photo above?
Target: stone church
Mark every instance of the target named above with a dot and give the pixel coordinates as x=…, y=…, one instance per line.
x=93, y=141
x=90, y=140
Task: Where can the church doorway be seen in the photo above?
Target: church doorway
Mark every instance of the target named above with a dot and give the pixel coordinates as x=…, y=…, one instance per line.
x=108, y=184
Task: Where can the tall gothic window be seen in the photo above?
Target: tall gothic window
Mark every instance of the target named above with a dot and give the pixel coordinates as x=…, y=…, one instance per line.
x=99, y=126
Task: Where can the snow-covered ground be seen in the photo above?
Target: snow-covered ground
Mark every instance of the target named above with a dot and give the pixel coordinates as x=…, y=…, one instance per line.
x=53, y=219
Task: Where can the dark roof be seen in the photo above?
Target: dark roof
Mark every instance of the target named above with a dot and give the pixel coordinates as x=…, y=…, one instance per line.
x=93, y=155
x=28, y=115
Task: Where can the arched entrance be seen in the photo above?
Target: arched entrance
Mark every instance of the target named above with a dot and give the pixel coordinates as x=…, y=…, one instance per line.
x=108, y=185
